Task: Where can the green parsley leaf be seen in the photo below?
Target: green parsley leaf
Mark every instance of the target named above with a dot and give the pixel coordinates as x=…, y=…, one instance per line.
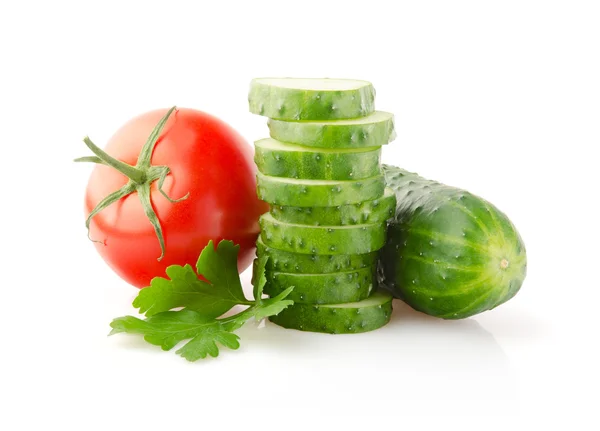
x=220, y=267
x=204, y=344
x=259, y=278
x=272, y=306
x=203, y=302
x=184, y=289
x=169, y=328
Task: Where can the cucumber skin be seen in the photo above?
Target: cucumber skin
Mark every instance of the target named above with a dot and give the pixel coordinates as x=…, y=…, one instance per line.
x=318, y=165
x=285, y=261
x=334, y=288
x=323, y=240
x=373, y=211
x=315, y=318
x=333, y=135
x=445, y=249
x=295, y=104
x=319, y=195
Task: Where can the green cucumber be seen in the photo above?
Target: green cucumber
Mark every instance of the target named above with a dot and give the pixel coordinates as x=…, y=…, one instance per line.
x=278, y=159
x=449, y=253
x=371, y=131
x=366, y=315
x=356, y=239
x=318, y=193
x=285, y=261
x=311, y=99
x=374, y=211
x=334, y=288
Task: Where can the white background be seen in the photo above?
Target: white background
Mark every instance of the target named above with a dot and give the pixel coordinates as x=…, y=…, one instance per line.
x=499, y=97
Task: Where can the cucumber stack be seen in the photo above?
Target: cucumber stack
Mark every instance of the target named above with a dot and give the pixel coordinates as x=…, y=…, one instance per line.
x=320, y=172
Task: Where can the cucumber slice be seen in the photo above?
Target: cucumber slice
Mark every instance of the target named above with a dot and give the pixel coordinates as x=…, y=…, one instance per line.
x=374, y=211
x=294, y=161
x=318, y=193
x=334, y=288
x=311, y=99
x=297, y=238
x=285, y=261
x=366, y=315
x=372, y=131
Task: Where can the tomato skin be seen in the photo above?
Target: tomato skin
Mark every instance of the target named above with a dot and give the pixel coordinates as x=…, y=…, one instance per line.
x=208, y=159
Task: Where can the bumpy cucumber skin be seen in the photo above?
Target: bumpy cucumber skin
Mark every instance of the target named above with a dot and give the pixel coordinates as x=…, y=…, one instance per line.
x=318, y=195
x=285, y=261
x=295, y=104
x=373, y=211
x=449, y=253
x=332, y=135
x=318, y=165
x=334, y=288
x=325, y=240
x=332, y=320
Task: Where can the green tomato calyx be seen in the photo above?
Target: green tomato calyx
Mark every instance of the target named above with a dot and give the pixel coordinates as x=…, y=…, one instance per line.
x=141, y=176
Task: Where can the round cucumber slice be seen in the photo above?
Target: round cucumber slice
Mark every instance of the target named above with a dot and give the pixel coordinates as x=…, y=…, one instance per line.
x=371, y=131
x=328, y=240
x=311, y=99
x=366, y=315
x=334, y=288
x=285, y=261
x=374, y=211
x=318, y=193
x=278, y=159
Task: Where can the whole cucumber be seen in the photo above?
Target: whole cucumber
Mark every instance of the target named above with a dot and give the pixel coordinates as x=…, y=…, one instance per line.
x=449, y=253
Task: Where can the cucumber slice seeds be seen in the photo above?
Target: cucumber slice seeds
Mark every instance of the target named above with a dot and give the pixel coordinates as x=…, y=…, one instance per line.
x=311, y=99
x=350, y=318
x=372, y=131
x=374, y=211
x=297, y=238
x=318, y=193
x=277, y=159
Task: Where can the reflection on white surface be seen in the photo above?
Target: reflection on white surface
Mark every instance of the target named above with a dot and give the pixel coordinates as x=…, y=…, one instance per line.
x=416, y=365
x=411, y=362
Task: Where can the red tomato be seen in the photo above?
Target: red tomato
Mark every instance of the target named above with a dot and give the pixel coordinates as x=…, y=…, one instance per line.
x=208, y=159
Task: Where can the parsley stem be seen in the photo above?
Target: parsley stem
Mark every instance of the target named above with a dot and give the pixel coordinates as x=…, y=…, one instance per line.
x=237, y=316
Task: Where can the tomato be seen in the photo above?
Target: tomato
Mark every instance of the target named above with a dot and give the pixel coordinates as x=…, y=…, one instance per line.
x=207, y=159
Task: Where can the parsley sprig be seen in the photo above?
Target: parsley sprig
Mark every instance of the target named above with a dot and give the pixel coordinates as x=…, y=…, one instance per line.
x=203, y=302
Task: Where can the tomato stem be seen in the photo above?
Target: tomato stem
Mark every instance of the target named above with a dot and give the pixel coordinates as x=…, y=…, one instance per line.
x=127, y=189
x=143, y=161
x=90, y=159
x=141, y=176
x=136, y=175
x=144, y=194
